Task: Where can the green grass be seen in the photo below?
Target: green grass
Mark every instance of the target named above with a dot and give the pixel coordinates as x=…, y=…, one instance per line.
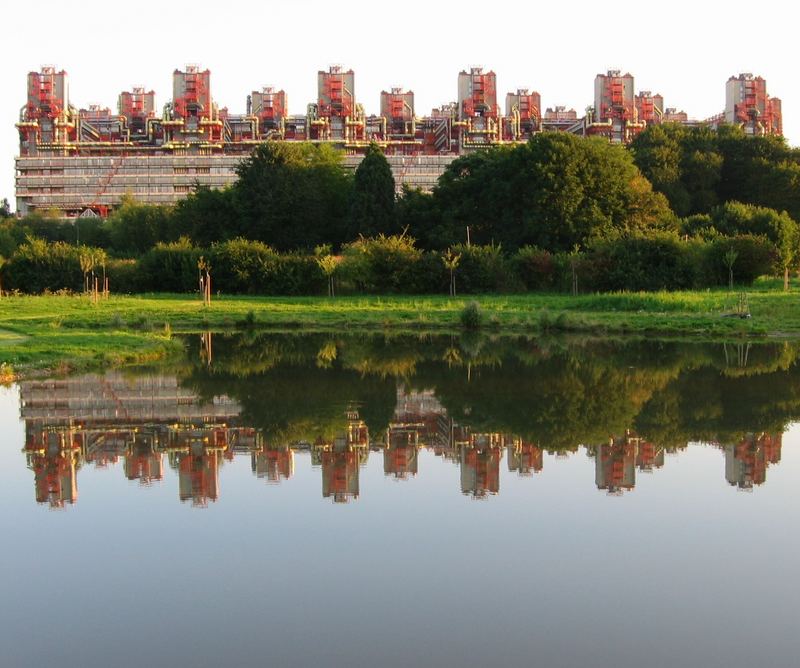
x=69, y=332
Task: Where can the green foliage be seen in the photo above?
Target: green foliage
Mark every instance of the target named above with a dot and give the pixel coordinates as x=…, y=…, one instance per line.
x=11, y=236
x=38, y=266
x=48, y=226
x=754, y=256
x=698, y=169
x=293, y=196
x=170, y=266
x=295, y=274
x=535, y=268
x=557, y=191
x=372, y=205
x=471, y=316
x=483, y=269
x=382, y=264
x=418, y=212
x=206, y=216
x=237, y=267
x=641, y=263
x=124, y=276
x=735, y=218
x=240, y=266
x=134, y=228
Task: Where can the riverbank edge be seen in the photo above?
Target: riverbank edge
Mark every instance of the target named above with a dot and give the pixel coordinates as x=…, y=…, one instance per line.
x=67, y=333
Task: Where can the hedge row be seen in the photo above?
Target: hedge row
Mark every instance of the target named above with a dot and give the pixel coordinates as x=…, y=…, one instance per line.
x=392, y=265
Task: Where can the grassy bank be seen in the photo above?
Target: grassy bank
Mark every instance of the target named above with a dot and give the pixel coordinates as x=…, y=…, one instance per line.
x=53, y=331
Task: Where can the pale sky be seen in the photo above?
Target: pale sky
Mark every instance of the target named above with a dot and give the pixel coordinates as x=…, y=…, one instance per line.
x=684, y=50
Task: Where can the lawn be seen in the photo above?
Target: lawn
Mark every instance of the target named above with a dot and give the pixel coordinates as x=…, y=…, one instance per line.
x=69, y=332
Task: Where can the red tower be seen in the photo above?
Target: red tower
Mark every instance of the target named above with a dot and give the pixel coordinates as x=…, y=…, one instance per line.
x=477, y=94
x=137, y=106
x=270, y=107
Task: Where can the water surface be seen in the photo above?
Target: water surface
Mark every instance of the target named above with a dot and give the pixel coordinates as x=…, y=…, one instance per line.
x=319, y=500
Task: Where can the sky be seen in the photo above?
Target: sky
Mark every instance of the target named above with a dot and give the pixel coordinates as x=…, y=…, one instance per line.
x=684, y=50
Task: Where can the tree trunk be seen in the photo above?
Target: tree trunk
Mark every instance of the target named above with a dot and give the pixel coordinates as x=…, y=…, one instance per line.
x=786, y=278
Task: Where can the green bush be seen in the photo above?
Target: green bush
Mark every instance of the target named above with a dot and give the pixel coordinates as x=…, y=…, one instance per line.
x=483, y=269
x=661, y=262
x=432, y=277
x=172, y=267
x=472, y=316
x=755, y=256
x=535, y=268
x=124, y=276
x=240, y=266
x=295, y=274
x=382, y=264
x=563, y=266
x=37, y=266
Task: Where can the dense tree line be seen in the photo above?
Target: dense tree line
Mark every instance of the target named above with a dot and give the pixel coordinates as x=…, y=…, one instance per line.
x=698, y=169
x=684, y=207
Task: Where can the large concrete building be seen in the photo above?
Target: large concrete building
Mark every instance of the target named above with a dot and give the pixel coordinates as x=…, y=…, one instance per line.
x=82, y=162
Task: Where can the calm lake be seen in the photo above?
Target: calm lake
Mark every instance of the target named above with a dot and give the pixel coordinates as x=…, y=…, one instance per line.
x=274, y=500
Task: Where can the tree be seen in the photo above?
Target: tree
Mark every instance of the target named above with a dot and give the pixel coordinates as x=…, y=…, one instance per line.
x=735, y=218
x=134, y=228
x=698, y=168
x=328, y=264
x=417, y=211
x=5, y=209
x=372, y=204
x=206, y=216
x=293, y=196
x=451, y=260
x=554, y=192
x=730, y=258
x=86, y=260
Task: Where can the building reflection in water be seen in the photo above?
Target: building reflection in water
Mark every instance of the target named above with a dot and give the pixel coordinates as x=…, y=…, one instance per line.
x=524, y=458
x=54, y=457
x=273, y=464
x=746, y=462
x=615, y=464
x=480, y=463
x=140, y=421
x=143, y=461
x=341, y=459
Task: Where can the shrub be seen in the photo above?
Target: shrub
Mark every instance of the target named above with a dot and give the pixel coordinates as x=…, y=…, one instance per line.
x=37, y=266
x=240, y=266
x=432, y=277
x=755, y=256
x=535, y=268
x=471, y=316
x=660, y=262
x=483, y=269
x=294, y=274
x=123, y=276
x=382, y=264
x=171, y=267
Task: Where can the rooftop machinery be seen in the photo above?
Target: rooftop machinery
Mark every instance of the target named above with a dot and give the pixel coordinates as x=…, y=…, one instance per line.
x=82, y=161
x=748, y=105
x=523, y=117
x=46, y=118
x=614, y=114
x=192, y=123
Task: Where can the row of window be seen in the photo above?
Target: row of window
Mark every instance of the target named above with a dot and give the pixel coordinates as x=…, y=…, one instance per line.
x=191, y=170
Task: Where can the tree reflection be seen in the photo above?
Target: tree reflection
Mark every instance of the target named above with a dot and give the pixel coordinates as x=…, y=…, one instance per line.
x=470, y=401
